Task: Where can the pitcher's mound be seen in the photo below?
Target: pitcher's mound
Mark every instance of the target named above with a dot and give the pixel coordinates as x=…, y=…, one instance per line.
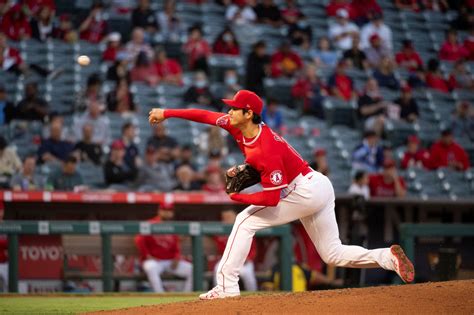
x=453, y=297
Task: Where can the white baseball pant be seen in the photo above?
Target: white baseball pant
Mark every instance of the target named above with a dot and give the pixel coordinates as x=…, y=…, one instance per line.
x=4, y=277
x=310, y=199
x=247, y=274
x=154, y=268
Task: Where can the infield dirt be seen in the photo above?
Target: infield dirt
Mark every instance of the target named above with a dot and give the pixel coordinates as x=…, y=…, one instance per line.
x=453, y=297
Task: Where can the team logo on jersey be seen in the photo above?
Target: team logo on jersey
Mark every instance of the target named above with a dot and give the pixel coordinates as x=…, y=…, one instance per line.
x=276, y=177
x=222, y=121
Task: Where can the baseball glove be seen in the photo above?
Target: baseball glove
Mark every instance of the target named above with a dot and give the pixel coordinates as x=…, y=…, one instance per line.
x=239, y=177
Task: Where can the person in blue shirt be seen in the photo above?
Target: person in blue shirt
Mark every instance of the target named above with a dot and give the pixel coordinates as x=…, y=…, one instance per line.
x=6, y=107
x=272, y=116
x=368, y=155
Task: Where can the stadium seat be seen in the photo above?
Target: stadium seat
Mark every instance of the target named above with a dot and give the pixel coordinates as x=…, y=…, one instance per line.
x=338, y=112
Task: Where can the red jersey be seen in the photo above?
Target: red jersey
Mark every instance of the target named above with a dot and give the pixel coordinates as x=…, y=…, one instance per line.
x=333, y=7
x=196, y=49
x=437, y=82
x=11, y=57
x=282, y=63
x=16, y=28
x=420, y=158
x=35, y=5
x=409, y=60
x=380, y=188
x=162, y=247
x=221, y=241
x=169, y=67
x=452, y=52
x=444, y=155
x=469, y=46
x=221, y=47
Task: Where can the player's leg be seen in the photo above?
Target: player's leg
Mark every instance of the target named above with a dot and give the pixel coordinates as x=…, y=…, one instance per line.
x=247, y=274
x=153, y=269
x=184, y=270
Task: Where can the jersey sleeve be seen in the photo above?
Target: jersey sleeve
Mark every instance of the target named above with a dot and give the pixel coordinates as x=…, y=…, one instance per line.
x=201, y=116
x=273, y=175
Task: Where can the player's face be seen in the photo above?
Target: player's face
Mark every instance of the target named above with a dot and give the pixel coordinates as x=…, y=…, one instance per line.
x=237, y=116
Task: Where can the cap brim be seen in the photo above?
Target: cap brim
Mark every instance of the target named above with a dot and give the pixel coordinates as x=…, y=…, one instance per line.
x=231, y=103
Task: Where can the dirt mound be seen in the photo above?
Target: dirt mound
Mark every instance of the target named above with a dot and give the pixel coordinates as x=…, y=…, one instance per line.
x=454, y=297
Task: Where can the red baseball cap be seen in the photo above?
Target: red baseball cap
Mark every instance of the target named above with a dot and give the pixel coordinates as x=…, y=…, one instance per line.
x=413, y=138
x=118, y=145
x=246, y=99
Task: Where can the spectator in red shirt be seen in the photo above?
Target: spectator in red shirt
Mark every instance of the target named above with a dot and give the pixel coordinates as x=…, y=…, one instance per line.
x=214, y=181
x=407, y=5
x=291, y=13
x=447, y=153
x=65, y=30
x=247, y=273
x=197, y=50
x=144, y=71
x=10, y=59
x=285, y=62
x=335, y=5
x=162, y=253
x=452, y=50
x=35, y=6
x=460, y=77
x=363, y=10
x=169, y=70
x=387, y=183
x=94, y=27
x=226, y=44
x=340, y=84
x=113, y=47
x=15, y=24
x=415, y=156
x=434, y=77
x=408, y=57
x=311, y=91
x=469, y=44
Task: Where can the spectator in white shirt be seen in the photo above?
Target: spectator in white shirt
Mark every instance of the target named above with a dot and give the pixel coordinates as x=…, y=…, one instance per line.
x=137, y=45
x=376, y=26
x=342, y=30
x=241, y=13
x=360, y=185
x=99, y=122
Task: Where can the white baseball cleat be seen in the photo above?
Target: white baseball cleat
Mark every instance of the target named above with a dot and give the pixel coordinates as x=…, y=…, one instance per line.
x=217, y=293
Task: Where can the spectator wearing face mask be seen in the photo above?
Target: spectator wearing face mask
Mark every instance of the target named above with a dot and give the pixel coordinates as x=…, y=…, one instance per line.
x=231, y=81
x=94, y=27
x=226, y=44
x=199, y=92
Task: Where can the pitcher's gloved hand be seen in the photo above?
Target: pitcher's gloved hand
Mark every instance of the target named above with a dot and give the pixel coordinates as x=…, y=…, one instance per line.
x=239, y=177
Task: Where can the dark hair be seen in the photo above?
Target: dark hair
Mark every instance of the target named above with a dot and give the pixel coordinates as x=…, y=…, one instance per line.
x=126, y=126
x=142, y=59
x=259, y=44
x=195, y=27
x=256, y=118
x=359, y=175
x=71, y=159
x=94, y=79
x=3, y=143
x=369, y=133
x=433, y=65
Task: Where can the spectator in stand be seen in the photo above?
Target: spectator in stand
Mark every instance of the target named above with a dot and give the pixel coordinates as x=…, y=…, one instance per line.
x=385, y=75
x=165, y=170
x=340, y=84
x=118, y=175
x=213, y=143
x=268, y=13
x=469, y=44
x=54, y=149
x=311, y=91
x=28, y=179
x=417, y=79
x=434, y=77
x=408, y=58
x=186, y=157
x=300, y=33
x=272, y=116
x=169, y=70
x=462, y=122
x=247, y=272
x=376, y=26
x=144, y=71
x=387, y=183
x=65, y=30
x=465, y=19
x=10, y=163
x=197, y=50
x=113, y=47
x=285, y=62
x=415, y=156
x=15, y=23
x=144, y=17
x=148, y=173
x=452, y=49
x=343, y=31
x=320, y=162
x=336, y=5
x=32, y=106
x=214, y=181
x=372, y=107
x=377, y=51
x=94, y=27
x=360, y=185
x=368, y=155
x=199, y=92
x=408, y=105
x=91, y=94
x=185, y=179
x=355, y=57
x=241, y=12
x=137, y=45
x=119, y=70
x=410, y=5
x=171, y=27
x=364, y=11
x=42, y=26
x=461, y=77
x=324, y=56
x=67, y=178
x=93, y=116
x=447, y=153
x=131, y=158
x=10, y=59
x=161, y=139
x=226, y=43
x=291, y=11
x=120, y=100
x=257, y=68
x=34, y=6
x=86, y=150
x=6, y=107
x=162, y=253
x=231, y=81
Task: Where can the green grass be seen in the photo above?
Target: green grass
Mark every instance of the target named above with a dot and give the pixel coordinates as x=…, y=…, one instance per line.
x=79, y=304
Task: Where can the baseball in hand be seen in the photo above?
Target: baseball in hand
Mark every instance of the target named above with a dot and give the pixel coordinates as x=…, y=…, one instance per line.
x=83, y=60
